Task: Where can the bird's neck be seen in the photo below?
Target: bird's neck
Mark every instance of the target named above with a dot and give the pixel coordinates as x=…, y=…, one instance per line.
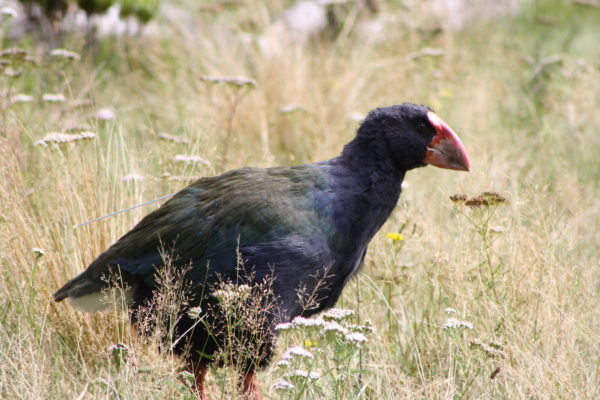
x=372, y=192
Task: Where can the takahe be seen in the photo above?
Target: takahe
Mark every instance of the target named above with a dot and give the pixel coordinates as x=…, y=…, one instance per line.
x=286, y=233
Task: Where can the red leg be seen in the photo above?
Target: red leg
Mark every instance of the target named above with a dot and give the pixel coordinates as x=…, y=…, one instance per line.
x=249, y=389
x=200, y=376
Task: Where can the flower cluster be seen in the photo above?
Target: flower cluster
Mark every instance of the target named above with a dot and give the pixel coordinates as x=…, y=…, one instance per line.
x=59, y=137
x=485, y=199
x=453, y=323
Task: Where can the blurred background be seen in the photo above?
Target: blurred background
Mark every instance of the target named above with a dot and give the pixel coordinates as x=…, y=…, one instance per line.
x=105, y=104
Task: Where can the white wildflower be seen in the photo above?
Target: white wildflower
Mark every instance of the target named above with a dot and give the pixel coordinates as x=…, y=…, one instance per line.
x=450, y=310
x=334, y=327
x=299, y=373
x=173, y=138
x=236, y=81
x=14, y=52
x=53, y=98
x=283, y=364
x=453, y=323
x=190, y=159
x=497, y=229
x=60, y=137
x=22, y=98
x=282, y=385
x=105, y=114
x=298, y=352
x=63, y=53
x=301, y=322
x=337, y=314
x=356, y=117
x=367, y=328
x=356, y=338
x=291, y=108
x=132, y=178
x=38, y=252
x=195, y=312
x=230, y=294
x=286, y=326
x=8, y=12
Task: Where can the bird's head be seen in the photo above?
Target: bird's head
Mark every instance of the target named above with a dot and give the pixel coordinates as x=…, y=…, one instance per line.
x=412, y=136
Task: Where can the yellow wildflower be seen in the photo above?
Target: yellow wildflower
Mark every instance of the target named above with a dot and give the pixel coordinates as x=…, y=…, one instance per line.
x=396, y=237
x=309, y=343
x=446, y=93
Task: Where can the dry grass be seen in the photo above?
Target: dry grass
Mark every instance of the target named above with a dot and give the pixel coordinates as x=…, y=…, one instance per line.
x=525, y=273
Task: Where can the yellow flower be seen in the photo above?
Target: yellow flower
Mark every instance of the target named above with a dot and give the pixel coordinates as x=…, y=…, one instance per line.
x=309, y=343
x=446, y=93
x=396, y=237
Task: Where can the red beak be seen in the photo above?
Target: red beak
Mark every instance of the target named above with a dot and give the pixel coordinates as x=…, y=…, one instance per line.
x=445, y=150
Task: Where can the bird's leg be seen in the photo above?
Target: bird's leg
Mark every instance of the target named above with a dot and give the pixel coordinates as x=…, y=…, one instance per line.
x=200, y=373
x=249, y=387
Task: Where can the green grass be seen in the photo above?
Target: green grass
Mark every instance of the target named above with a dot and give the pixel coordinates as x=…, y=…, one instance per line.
x=525, y=273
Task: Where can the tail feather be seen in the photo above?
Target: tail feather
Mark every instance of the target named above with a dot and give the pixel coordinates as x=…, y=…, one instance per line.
x=79, y=286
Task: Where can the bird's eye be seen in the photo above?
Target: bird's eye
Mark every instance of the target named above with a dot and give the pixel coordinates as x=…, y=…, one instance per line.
x=422, y=127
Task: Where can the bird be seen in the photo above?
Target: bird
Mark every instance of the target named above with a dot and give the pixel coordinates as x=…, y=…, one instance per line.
x=291, y=236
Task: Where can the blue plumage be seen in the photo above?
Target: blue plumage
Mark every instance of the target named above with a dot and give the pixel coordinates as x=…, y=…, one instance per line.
x=302, y=229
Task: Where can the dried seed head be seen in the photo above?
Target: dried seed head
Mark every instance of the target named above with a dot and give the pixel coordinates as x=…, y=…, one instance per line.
x=491, y=349
x=456, y=198
x=493, y=198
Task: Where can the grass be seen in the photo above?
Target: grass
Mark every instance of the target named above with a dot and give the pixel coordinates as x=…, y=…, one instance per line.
x=524, y=273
